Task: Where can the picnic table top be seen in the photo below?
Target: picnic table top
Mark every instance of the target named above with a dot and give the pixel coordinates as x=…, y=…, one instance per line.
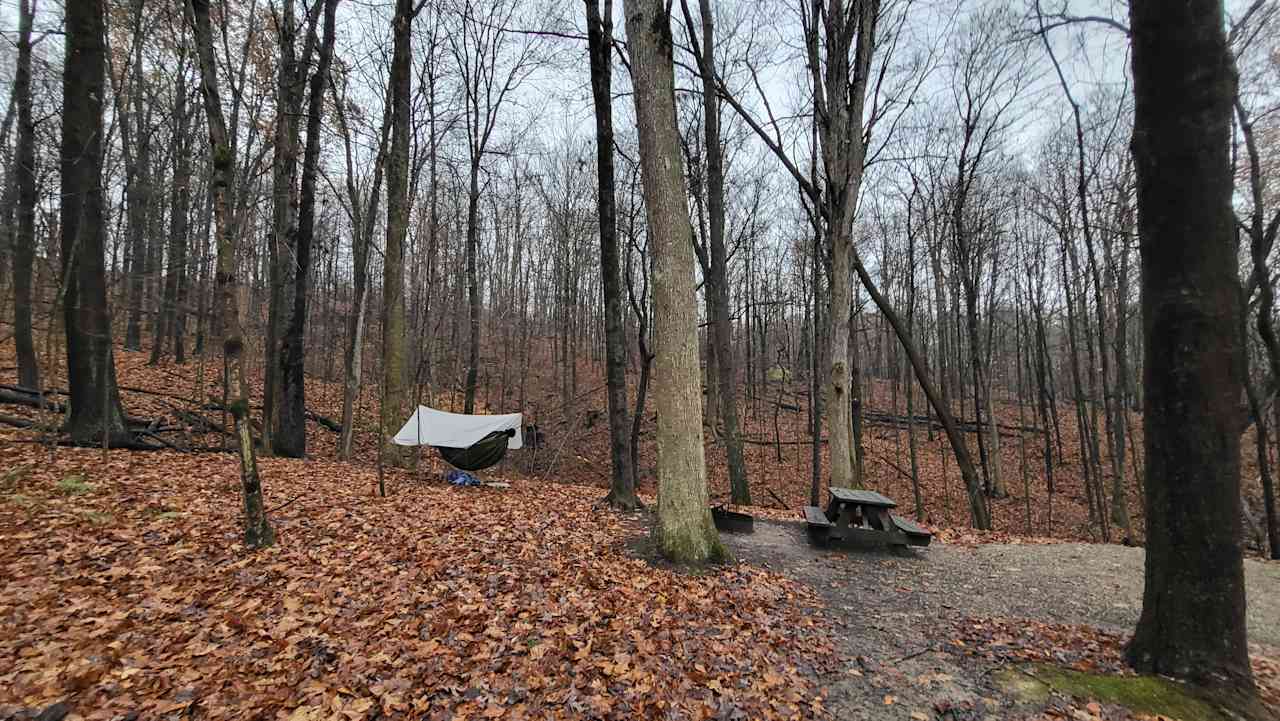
x=865, y=498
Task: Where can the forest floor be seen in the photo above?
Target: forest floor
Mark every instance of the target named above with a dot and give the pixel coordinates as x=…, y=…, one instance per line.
x=127, y=594
x=924, y=632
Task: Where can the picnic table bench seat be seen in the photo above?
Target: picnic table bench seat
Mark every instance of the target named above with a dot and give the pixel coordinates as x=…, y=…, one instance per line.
x=818, y=524
x=916, y=535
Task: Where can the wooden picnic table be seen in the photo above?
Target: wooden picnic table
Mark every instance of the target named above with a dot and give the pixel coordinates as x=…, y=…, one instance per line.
x=866, y=516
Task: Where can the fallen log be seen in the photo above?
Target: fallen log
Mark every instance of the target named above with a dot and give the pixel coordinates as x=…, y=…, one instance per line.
x=16, y=422
x=329, y=423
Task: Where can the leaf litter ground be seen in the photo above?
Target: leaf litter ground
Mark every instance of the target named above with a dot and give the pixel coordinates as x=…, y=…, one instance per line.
x=127, y=592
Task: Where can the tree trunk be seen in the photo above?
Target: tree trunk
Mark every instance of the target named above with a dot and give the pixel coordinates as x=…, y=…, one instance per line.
x=364, y=216
x=284, y=214
x=1193, y=612
x=24, y=247
x=179, y=208
x=95, y=399
x=684, y=531
x=393, y=325
x=138, y=193
x=622, y=492
x=473, y=286
x=291, y=440
x=721, y=336
x=257, y=529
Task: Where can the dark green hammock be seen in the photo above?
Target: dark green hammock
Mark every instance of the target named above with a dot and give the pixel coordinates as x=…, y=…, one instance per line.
x=480, y=455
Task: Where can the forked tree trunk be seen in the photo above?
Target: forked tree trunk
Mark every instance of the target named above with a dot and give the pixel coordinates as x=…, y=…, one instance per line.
x=257, y=529
x=684, y=531
x=95, y=399
x=1193, y=606
x=291, y=440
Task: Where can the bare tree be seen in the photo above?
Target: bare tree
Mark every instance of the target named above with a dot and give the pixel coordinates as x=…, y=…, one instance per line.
x=291, y=440
x=684, y=531
x=24, y=242
x=257, y=529
x=492, y=67
x=622, y=492
x=718, y=280
x=393, y=296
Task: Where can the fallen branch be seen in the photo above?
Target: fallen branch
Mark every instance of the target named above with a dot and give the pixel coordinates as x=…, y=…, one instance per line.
x=329, y=423
x=781, y=503
x=31, y=399
x=16, y=422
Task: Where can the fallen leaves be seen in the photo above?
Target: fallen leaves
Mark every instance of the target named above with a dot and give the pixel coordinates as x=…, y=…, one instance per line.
x=434, y=602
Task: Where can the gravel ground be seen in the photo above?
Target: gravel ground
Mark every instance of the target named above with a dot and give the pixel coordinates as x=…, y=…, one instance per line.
x=894, y=604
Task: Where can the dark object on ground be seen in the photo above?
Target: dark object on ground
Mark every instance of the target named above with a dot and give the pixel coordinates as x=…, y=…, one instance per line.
x=731, y=521
x=862, y=516
x=55, y=712
x=479, y=455
x=461, y=478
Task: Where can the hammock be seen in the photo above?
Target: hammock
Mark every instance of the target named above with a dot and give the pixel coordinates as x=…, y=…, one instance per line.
x=469, y=442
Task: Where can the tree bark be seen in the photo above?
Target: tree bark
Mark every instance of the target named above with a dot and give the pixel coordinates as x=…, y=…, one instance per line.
x=291, y=439
x=95, y=399
x=24, y=246
x=473, y=285
x=1193, y=614
x=726, y=379
x=179, y=208
x=684, y=531
x=622, y=492
x=138, y=188
x=257, y=529
x=284, y=214
x=393, y=325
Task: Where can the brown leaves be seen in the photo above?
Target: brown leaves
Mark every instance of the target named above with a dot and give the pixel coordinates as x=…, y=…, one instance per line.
x=435, y=602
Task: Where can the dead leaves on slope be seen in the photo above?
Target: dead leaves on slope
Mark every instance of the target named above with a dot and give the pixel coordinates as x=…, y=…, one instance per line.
x=433, y=603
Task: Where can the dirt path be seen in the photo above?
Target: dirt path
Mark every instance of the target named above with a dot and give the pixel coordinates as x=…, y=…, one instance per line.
x=896, y=608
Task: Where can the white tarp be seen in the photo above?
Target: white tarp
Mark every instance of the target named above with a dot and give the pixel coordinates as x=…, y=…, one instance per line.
x=430, y=427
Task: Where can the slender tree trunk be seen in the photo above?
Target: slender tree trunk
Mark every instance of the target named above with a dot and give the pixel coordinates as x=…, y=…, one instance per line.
x=473, y=287
x=684, y=531
x=1262, y=237
x=257, y=529
x=138, y=193
x=721, y=334
x=1193, y=612
x=179, y=209
x=622, y=491
x=24, y=247
x=979, y=513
